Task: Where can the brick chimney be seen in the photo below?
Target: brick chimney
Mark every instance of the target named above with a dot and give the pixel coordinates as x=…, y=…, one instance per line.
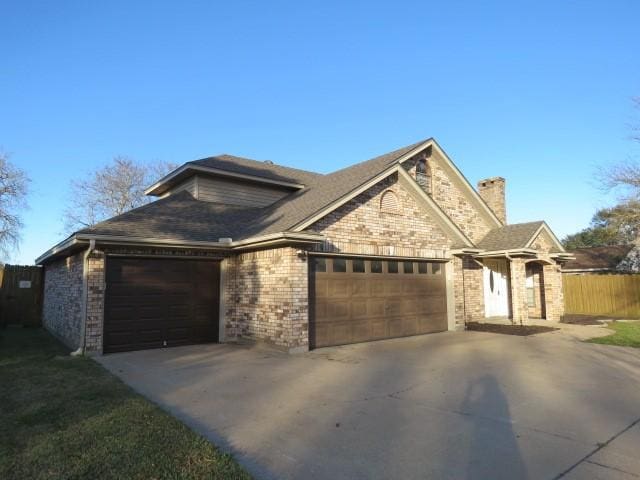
x=492, y=192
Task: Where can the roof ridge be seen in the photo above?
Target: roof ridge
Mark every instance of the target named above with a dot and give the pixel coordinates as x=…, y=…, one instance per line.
x=228, y=156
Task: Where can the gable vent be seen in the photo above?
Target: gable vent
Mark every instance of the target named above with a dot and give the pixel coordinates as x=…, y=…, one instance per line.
x=389, y=202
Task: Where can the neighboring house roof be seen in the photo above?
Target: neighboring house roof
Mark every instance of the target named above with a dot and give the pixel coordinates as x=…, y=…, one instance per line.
x=509, y=237
x=597, y=258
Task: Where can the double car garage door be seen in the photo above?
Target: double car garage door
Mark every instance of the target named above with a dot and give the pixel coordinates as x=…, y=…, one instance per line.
x=154, y=302
x=357, y=300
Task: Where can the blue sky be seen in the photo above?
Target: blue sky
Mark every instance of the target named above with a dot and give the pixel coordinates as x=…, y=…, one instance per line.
x=538, y=92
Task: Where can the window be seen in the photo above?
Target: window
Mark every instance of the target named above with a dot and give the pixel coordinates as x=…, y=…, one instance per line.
x=357, y=266
x=531, y=297
x=389, y=203
x=320, y=264
x=392, y=267
x=436, y=268
x=407, y=267
x=423, y=175
x=376, y=266
x=422, y=268
x=531, y=292
x=339, y=265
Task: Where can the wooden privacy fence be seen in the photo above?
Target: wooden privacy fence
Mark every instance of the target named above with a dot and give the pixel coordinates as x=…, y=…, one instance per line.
x=21, y=295
x=615, y=295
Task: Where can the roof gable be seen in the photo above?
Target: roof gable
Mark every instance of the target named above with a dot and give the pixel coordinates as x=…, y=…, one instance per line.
x=238, y=168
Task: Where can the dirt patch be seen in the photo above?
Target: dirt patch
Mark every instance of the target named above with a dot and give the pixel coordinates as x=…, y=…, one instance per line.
x=584, y=319
x=520, y=330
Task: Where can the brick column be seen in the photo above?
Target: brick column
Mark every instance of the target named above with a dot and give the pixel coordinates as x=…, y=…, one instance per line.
x=519, y=308
x=553, y=295
x=95, y=302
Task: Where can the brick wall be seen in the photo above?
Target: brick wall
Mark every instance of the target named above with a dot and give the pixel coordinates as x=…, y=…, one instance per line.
x=267, y=297
x=447, y=193
x=473, y=289
x=361, y=227
x=492, y=192
x=519, y=307
x=95, y=301
x=62, y=303
x=554, y=296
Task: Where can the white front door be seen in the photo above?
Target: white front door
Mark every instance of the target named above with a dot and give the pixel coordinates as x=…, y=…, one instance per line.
x=496, y=288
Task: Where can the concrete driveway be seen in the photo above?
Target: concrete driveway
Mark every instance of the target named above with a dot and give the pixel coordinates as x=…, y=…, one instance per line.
x=454, y=405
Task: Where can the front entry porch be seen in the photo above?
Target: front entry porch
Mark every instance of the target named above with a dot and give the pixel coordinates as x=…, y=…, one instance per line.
x=521, y=287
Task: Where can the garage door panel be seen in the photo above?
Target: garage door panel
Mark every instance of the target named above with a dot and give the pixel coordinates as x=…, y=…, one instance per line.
x=356, y=305
x=359, y=287
x=321, y=288
x=338, y=310
x=375, y=307
x=339, y=288
x=359, y=308
x=379, y=329
x=152, y=303
x=377, y=287
x=393, y=307
x=393, y=286
x=361, y=331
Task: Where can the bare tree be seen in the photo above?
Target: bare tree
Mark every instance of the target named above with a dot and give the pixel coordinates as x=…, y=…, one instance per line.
x=624, y=178
x=111, y=190
x=14, y=185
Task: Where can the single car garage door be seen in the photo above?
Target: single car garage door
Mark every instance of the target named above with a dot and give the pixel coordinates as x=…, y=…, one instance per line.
x=152, y=303
x=357, y=300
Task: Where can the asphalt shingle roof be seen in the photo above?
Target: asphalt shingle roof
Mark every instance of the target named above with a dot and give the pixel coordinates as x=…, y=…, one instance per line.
x=597, y=257
x=264, y=169
x=181, y=217
x=508, y=237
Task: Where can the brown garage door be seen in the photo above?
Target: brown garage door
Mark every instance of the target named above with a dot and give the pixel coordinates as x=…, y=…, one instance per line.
x=151, y=303
x=357, y=300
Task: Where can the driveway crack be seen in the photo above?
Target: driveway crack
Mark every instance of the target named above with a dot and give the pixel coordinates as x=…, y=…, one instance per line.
x=612, y=468
x=596, y=450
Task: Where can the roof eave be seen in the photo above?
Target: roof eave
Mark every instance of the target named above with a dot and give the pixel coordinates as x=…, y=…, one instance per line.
x=169, y=180
x=276, y=239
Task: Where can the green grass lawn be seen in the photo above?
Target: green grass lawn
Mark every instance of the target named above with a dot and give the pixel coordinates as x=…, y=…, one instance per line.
x=627, y=334
x=67, y=417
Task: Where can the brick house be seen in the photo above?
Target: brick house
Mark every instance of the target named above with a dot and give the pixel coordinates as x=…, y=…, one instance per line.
x=234, y=248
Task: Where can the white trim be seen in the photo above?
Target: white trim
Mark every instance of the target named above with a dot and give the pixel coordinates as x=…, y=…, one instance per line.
x=221, y=304
x=219, y=172
x=546, y=228
x=59, y=247
x=264, y=240
x=450, y=293
x=463, y=180
x=362, y=188
x=344, y=199
x=442, y=218
x=507, y=253
x=444, y=259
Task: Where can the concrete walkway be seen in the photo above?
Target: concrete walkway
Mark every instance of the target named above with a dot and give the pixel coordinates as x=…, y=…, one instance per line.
x=463, y=405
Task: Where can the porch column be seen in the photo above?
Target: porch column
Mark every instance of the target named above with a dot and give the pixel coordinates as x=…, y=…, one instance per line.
x=519, y=308
x=553, y=295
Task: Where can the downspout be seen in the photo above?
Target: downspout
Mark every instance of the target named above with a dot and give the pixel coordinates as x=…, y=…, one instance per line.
x=85, y=299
